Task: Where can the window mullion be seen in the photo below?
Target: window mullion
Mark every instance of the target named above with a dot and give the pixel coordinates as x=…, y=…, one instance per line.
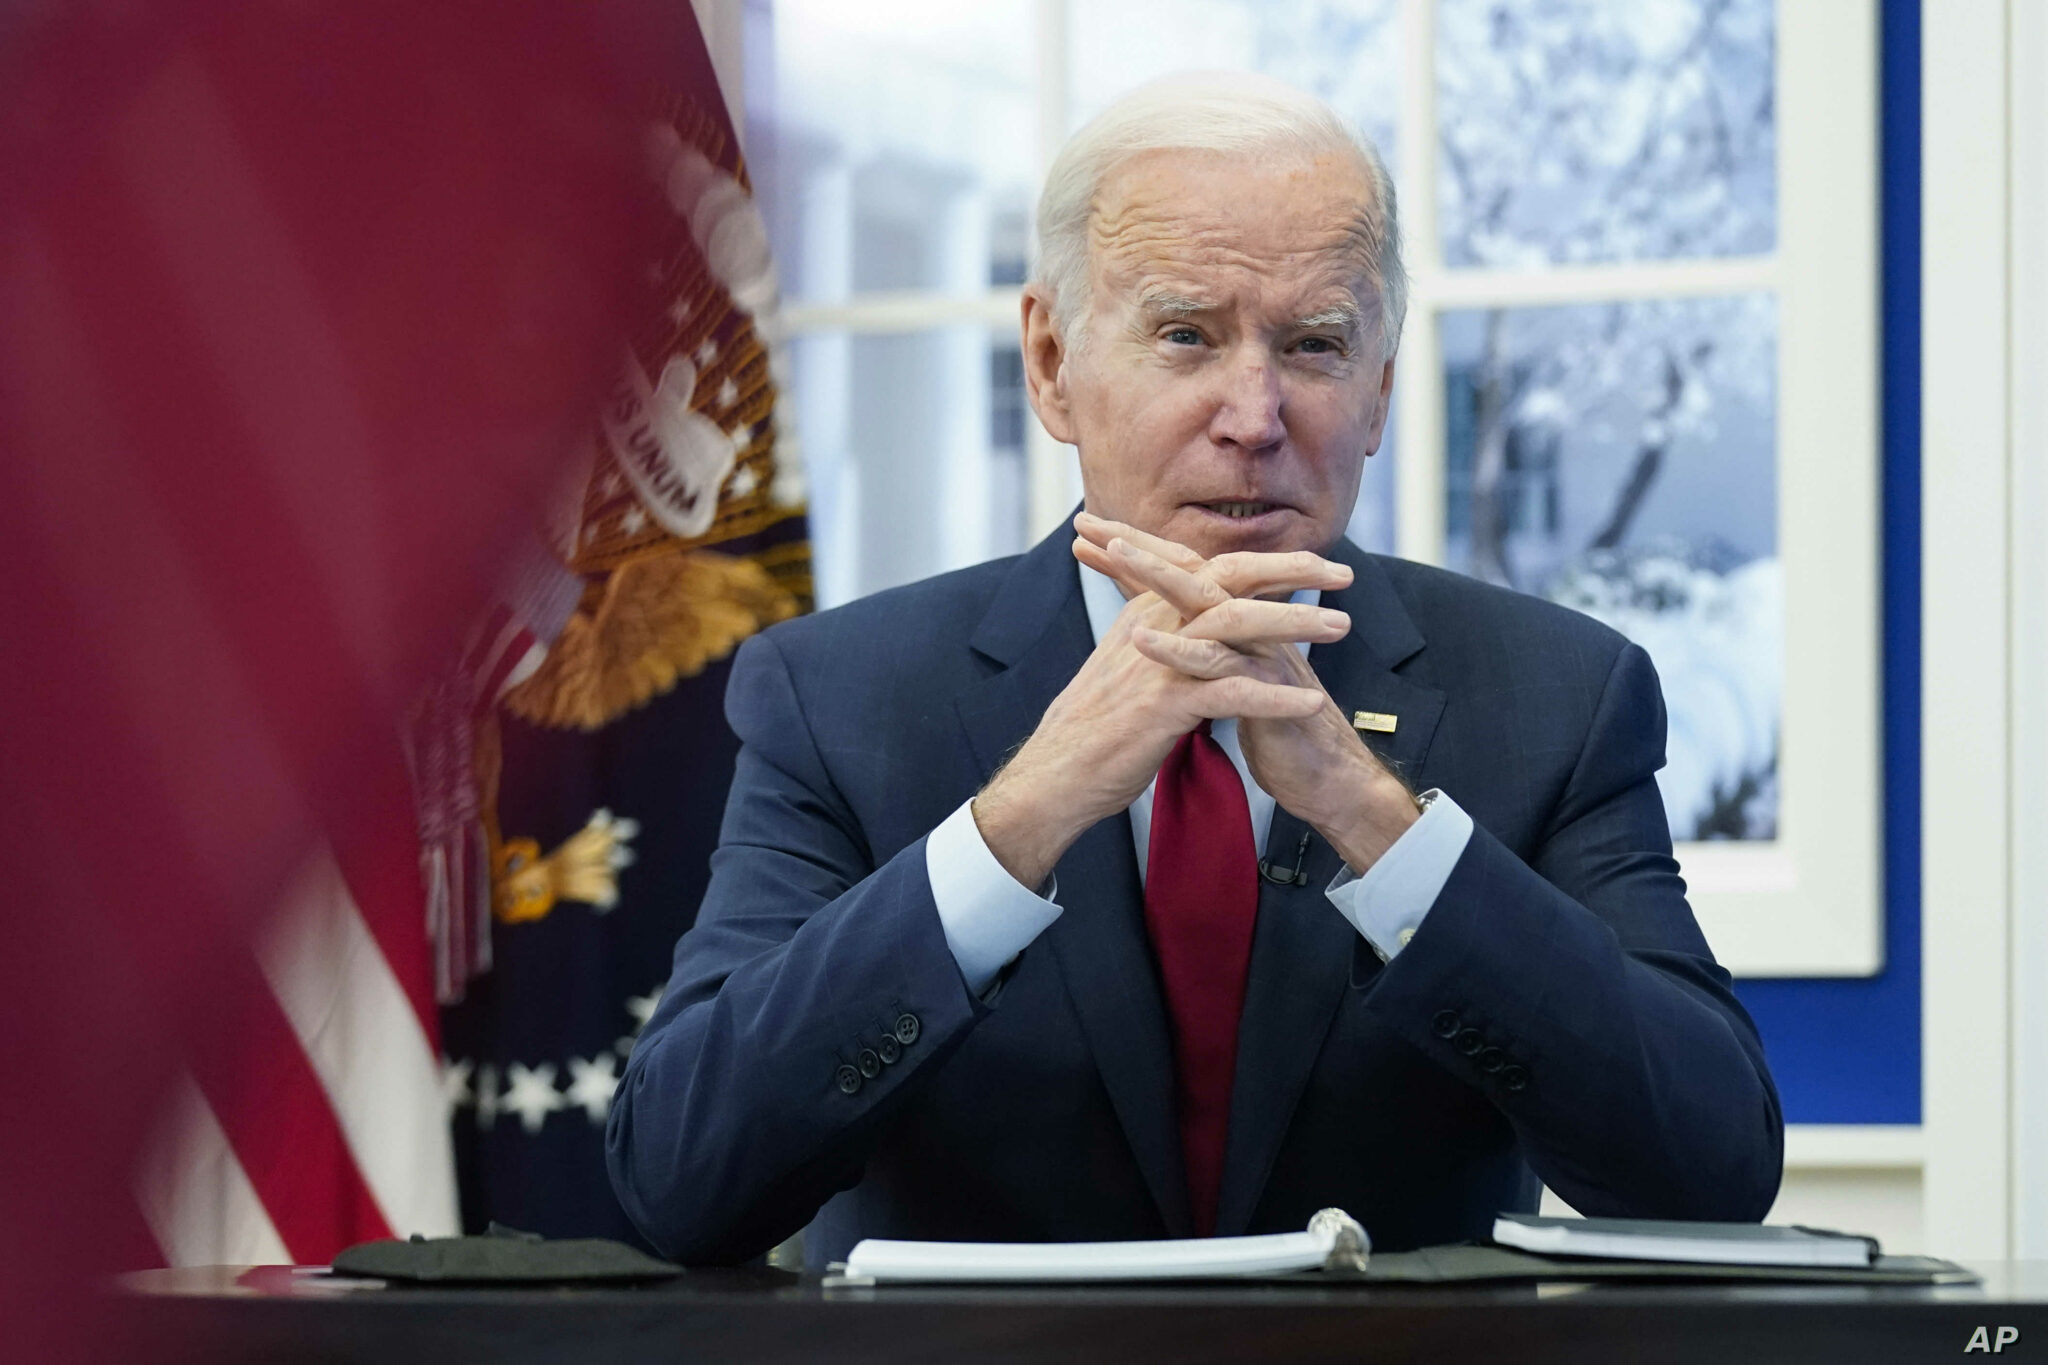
x=1419, y=377
x=1052, y=475
x=1608, y=283
x=909, y=310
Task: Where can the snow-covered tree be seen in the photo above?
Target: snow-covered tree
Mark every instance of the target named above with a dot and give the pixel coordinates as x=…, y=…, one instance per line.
x=1587, y=132
x=1583, y=131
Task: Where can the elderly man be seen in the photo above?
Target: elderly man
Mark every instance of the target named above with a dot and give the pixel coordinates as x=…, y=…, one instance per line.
x=1096, y=900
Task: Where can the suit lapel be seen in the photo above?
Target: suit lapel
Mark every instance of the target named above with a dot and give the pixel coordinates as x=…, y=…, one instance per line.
x=1106, y=957
x=1302, y=949
x=1038, y=630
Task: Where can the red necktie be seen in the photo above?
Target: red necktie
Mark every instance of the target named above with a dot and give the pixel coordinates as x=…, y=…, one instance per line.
x=1201, y=897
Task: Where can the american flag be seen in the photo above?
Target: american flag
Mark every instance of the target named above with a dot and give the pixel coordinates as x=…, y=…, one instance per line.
x=318, y=1114
x=300, y=306
x=320, y=1118
x=323, y=1123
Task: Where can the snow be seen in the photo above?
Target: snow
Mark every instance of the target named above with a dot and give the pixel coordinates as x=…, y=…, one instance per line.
x=1718, y=643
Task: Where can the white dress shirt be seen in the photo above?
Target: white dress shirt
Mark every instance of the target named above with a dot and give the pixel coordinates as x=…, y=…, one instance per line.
x=989, y=917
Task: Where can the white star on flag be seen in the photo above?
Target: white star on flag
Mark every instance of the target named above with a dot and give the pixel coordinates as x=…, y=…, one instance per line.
x=642, y=1007
x=455, y=1082
x=531, y=1094
x=591, y=1084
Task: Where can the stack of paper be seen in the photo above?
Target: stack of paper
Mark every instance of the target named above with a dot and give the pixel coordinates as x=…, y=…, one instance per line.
x=1637, y=1239
x=1333, y=1240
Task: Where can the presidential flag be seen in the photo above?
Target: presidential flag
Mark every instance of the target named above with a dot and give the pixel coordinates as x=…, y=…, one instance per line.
x=602, y=772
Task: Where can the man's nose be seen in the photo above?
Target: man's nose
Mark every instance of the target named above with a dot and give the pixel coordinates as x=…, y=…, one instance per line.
x=1248, y=410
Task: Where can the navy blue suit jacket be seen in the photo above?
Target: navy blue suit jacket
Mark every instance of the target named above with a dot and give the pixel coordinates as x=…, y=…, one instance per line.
x=1557, y=1015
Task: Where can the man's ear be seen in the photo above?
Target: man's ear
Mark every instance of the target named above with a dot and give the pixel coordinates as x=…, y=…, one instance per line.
x=1045, y=366
x=1381, y=402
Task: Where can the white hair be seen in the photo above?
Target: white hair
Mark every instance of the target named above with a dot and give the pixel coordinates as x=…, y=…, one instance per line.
x=1217, y=112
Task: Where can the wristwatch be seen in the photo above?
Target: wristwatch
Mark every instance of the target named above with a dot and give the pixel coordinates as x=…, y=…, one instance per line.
x=1427, y=799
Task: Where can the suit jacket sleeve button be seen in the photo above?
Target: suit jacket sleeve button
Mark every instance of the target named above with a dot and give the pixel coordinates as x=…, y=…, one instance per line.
x=889, y=1049
x=1492, y=1060
x=848, y=1079
x=1469, y=1043
x=907, y=1029
x=870, y=1064
x=1514, y=1078
x=1446, y=1023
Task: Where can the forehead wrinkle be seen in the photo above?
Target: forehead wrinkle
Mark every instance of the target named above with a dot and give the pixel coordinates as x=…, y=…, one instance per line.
x=1222, y=244
x=1331, y=293
x=1176, y=274
x=1130, y=209
x=1150, y=231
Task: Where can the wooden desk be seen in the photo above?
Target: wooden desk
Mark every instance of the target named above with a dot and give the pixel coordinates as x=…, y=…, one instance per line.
x=231, y=1314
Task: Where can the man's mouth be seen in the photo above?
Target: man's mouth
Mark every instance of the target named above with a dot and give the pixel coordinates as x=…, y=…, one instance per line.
x=1240, y=509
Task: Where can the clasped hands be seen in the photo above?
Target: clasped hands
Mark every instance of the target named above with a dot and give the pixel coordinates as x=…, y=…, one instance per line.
x=1198, y=639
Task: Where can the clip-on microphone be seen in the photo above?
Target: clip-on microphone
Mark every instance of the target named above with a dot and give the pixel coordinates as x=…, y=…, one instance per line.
x=1287, y=876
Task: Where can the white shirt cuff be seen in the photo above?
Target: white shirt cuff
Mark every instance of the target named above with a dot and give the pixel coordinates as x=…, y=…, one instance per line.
x=1389, y=902
x=988, y=915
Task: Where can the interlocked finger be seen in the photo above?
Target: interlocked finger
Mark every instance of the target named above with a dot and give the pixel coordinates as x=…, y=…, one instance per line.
x=1245, y=623
x=1196, y=658
x=1241, y=573
x=1099, y=531
x=1187, y=591
x=1148, y=609
x=1254, y=698
x=1252, y=573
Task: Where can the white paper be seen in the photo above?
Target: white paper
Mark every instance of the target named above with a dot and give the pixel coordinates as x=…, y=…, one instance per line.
x=1191, y=1258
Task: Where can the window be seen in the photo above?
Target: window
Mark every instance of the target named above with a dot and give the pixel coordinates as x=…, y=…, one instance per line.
x=1638, y=375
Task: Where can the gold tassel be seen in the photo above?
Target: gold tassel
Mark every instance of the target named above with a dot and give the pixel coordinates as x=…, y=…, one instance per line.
x=585, y=868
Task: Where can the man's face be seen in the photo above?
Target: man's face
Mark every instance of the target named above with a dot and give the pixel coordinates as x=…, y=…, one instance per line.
x=1231, y=382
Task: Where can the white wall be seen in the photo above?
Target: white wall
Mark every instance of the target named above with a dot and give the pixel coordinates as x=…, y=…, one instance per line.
x=1985, y=626
x=2028, y=84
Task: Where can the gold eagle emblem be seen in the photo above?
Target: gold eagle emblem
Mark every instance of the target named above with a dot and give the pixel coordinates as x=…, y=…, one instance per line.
x=645, y=625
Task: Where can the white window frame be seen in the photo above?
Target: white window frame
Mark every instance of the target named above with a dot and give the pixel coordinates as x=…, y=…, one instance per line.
x=1809, y=902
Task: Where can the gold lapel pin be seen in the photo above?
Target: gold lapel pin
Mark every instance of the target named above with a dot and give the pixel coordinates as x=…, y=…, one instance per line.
x=1379, y=722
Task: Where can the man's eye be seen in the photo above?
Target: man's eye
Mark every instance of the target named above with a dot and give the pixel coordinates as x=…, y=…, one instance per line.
x=1184, y=336
x=1321, y=346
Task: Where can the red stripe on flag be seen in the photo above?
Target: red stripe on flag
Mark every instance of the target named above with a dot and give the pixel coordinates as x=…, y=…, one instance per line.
x=501, y=668
x=277, y=1117
x=383, y=878
x=126, y=1241
x=379, y=856
x=494, y=625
